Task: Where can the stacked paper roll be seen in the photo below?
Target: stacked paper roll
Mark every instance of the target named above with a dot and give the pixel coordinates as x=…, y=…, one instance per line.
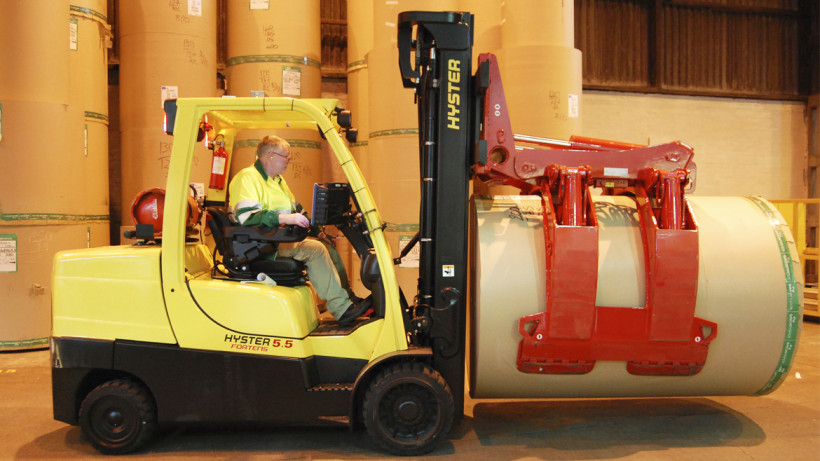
x=53, y=196
x=540, y=68
x=276, y=50
x=167, y=50
x=486, y=25
x=89, y=91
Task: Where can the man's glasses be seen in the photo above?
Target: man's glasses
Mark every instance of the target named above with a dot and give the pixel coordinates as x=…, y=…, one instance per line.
x=286, y=156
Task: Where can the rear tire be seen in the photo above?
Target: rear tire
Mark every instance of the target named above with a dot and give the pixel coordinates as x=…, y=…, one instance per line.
x=408, y=409
x=118, y=416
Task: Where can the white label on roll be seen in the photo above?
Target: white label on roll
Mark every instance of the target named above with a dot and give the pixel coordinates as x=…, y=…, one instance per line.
x=195, y=7
x=412, y=258
x=448, y=270
x=73, y=34
x=168, y=92
x=8, y=253
x=260, y=4
x=616, y=172
x=573, y=106
x=291, y=81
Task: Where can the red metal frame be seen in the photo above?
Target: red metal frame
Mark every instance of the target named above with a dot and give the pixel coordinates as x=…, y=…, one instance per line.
x=663, y=337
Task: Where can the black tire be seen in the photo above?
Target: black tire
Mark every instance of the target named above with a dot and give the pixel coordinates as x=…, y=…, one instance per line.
x=118, y=416
x=408, y=409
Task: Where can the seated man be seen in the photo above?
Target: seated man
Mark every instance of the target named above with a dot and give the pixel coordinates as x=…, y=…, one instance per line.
x=259, y=196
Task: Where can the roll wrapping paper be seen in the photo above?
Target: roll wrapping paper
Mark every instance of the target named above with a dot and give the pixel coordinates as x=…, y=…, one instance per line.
x=749, y=283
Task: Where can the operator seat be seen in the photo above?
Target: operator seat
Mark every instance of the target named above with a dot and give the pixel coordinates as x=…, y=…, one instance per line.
x=243, y=248
x=372, y=280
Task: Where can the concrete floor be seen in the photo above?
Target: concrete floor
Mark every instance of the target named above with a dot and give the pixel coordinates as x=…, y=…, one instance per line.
x=782, y=426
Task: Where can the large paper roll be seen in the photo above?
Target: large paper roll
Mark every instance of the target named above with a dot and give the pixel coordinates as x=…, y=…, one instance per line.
x=537, y=22
x=749, y=284
x=167, y=50
x=542, y=85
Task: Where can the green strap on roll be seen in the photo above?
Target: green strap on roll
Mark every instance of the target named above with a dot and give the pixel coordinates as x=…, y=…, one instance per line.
x=274, y=58
x=793, y=305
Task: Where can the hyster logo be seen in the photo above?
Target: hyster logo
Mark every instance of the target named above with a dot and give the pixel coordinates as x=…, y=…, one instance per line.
x=453, y=95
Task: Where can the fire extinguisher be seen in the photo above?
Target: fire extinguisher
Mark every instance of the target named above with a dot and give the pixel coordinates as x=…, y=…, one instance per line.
x=218, y=167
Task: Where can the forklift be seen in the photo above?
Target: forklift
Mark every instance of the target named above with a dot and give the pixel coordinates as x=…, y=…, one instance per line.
x=167, y=331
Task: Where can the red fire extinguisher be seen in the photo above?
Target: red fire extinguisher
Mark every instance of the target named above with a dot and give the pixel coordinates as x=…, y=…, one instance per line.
x=218, y=167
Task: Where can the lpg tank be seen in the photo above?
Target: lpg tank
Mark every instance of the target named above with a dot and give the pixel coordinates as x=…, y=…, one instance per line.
x=749, y=283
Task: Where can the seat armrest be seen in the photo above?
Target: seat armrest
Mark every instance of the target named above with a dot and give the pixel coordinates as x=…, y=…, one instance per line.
x=281, y=234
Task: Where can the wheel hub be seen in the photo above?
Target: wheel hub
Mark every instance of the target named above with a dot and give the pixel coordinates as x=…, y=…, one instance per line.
x=409, y=410
x=115, y=418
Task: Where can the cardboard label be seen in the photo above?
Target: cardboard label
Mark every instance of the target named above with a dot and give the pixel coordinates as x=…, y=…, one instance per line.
x=573, y=106
x=260, y=4
x=168, y=92
x=73, y=34
x=195, y=7
x=412, y=258
x=8, y=253
x=291, y=81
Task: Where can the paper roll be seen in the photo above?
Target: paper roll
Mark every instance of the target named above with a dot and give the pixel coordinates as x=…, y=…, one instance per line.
x=749, y=284
x=537, y=22
x=359, y=31
x=285, y=28
x=164, y=52
x=486, y=25
x=542, y=85
x=392, y=106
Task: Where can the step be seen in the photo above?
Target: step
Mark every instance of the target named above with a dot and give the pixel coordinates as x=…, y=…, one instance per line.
x=332, y=387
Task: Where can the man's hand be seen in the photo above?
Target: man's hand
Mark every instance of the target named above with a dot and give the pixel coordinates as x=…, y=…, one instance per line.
x=295, y=219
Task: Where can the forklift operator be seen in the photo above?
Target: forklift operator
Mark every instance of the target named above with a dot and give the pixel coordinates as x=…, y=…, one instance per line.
x=259, y=196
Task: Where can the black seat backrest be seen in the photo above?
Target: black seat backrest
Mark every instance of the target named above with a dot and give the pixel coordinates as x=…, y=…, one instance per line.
x=372, y=280
x=242, y=255
x=218, y=222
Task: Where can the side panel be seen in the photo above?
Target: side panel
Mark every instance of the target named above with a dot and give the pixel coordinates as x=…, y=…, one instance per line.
x=110, y=293
x=256, y=308
x=192, y=386
x=202, y=386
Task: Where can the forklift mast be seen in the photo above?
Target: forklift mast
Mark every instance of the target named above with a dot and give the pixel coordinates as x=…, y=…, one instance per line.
x=435, y=59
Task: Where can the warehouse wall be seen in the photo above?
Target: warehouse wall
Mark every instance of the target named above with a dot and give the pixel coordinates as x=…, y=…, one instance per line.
x=742, y=146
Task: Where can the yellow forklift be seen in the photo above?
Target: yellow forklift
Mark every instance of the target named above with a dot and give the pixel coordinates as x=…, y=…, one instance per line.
x=166, y=331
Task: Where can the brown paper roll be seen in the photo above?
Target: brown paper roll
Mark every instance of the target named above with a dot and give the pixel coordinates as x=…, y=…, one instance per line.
x=359, y=32
x=543, y=89
x=486, y=25
x=392, y=107
x=537, y=22
x=89, y=62
x=358, y=101
x=160, y=45
x=34, y=51
x=286, y=28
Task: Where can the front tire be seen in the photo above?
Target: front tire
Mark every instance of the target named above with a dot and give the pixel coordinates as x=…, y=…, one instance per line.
x=408, y=409
x=118, y=416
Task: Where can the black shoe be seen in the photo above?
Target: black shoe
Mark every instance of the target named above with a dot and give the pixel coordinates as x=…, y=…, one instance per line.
x=353, y=312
